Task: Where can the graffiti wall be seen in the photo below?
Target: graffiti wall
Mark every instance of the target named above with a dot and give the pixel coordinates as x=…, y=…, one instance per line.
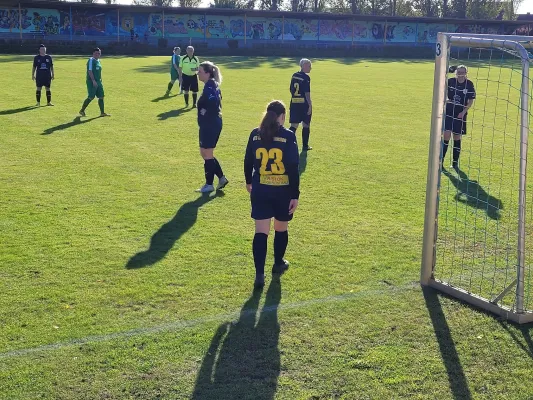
x=300, y=29
x=187, y=25
x=88, y=22
x=340, y=30
x=126, y=24
x=31, y=20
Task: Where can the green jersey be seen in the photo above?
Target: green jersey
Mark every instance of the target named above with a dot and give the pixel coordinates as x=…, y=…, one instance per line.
x=175, y=60
x=94, y=66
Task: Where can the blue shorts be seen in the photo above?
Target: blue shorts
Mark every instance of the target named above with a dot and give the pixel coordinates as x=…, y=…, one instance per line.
x=209, y=136
x=298, y=113
x=451, y=122
x=268, y=204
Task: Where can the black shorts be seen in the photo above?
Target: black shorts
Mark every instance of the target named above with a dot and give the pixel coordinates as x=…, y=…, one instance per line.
x=298, y=113
x=451, y=122
x=45, y=81
x=209, y=135
x=189, y=82
x=268, y=204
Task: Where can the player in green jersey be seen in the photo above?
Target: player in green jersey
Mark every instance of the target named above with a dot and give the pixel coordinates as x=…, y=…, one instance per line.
x=95, y=88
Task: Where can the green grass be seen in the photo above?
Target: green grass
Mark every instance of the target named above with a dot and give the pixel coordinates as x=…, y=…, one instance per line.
x=82, y=202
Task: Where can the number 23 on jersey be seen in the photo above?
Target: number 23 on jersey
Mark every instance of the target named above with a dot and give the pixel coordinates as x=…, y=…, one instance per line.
x=268, y=176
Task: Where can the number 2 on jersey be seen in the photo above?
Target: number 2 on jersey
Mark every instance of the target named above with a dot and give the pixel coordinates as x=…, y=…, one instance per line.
x=276, y=155
x=297, y=89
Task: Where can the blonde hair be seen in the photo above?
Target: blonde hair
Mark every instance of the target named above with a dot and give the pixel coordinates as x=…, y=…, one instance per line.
x=304, y=61
x=212, y=70
x=463, y=67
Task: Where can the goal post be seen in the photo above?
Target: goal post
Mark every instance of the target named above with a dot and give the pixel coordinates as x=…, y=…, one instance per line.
x=481, y=254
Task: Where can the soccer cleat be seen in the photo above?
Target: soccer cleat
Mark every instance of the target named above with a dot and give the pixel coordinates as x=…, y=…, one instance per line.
x=306, y=148
x=259, y=282
x=49, y=104
x=105, y=114
x=167, y=93
x=38, y=105
x=222, y=182
x=206, y=189
x=82, y=113
x=280, y=268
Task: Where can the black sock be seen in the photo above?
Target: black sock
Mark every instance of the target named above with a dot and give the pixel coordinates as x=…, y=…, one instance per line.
x=293, y=128
x=85, y=104
x=259, y=249
x=101, y=105
x=218, y=169
x=170, y=84
x=209, y=169
x=186, y=95
x=48, y=96
x=280, y=245
x=445, y=149
x=38, y=96
x=194, y=97
x=456, y=150
x=305, y=136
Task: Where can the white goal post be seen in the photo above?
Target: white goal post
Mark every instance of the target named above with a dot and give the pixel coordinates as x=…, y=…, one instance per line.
x=481, y=258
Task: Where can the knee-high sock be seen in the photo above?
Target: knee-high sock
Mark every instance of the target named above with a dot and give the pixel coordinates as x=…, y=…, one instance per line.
x=281, y=239
x=48, y=96
x=445, y=149
x=85, y=104
x=169, y=88
x=194, y=97
x=209, y=169
x=259, y=248
x=218, y=169
x=101, y=105
x=305, y=136
x=456, y=150
x=38, y=95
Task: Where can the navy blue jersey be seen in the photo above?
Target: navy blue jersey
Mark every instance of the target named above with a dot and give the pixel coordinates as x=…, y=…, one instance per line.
x=273, y=165
x=211, y=101
x=460, y=93
x=300, y=85
x=43, y=64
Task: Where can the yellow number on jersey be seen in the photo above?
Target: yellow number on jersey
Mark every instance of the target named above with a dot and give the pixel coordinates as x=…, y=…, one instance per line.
x=276, y=155
x=297, y=89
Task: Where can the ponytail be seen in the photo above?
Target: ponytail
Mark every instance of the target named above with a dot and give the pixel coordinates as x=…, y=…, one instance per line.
x=213, y=71
x=217, y=76
x=269, y=124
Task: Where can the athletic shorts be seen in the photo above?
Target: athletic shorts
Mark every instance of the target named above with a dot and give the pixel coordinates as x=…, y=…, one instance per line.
x=298, y=113
x=451, y=122
x=268, y=204
x=95, y=91
x=208, y=136
x=174, y=74
x=189, y=83
x=45, y=81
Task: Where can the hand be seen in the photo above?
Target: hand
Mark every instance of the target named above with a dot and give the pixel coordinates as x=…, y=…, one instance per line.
x=203, y=111
x=32, y=78
x=310, y=111
x=461, y=114
x=292, y=206
x=95, y=84
x=249, y=187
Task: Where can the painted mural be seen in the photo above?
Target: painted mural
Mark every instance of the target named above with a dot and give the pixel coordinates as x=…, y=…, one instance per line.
x=88, y=22
x=427, y=33
x=126, y=23
x=340, y=30
x=184, y=25
x=217, y=27
x=300, y=29
x=31, y=20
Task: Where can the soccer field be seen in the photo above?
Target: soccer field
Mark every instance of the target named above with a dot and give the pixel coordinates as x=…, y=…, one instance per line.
x=118, y=281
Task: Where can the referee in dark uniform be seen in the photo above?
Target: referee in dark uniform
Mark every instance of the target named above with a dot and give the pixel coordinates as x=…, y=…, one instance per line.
x=461, y=95
x=272, y=179
x=301, y=108
x=188, y=69
x=43, y=73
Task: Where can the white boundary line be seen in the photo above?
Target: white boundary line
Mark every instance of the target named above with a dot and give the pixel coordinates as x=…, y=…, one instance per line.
x=179, y=325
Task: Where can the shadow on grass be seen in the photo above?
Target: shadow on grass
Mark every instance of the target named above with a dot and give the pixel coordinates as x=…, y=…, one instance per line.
x=74, y=122
x=17, y=110
x=243, y=360
x=472, y=193
x=525, y=330
x=173, y=113
x=456, y=375
x=164, y=97
x=163, y=240
x=303, y=162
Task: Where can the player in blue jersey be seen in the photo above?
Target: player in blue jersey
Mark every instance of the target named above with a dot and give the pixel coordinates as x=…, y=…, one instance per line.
x=174, y=70
x=43, y=74
x=210, y=124
x=272, y=179
x=301, y=108
x=461, y=95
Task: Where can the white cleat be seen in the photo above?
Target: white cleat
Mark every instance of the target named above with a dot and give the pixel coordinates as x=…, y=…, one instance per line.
x=222, y=182
x=206, y=189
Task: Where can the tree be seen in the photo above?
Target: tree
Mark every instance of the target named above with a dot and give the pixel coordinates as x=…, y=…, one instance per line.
x=158, y=3
x=108, y=2
x=233, y=4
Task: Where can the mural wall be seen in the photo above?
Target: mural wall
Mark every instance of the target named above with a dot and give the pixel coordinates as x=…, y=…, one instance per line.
x=142, y=26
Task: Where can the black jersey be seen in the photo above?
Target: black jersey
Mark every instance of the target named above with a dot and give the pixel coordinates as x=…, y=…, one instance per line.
x=211, y=101
x=43, y=64
x=273, y=166
x=300, y=85
x=460, y=93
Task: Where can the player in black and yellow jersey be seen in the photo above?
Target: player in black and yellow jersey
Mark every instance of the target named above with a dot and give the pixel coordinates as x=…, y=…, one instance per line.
x=461, y=95
x=43, y=74
x=188, y=70
x=301, y=108
x=272, y=179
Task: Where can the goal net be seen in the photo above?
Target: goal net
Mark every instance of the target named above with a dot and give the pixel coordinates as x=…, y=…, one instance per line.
x=478, y=229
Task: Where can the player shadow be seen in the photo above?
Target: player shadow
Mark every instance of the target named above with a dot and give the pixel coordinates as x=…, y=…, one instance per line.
x=525, y=330
x=17, y=110
x=472, y=193
x=74, y=122
x=303, y=162
x=243, y=359
x=166, y=236
x=173, y=113
x=164, y=97
x=450, y=357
